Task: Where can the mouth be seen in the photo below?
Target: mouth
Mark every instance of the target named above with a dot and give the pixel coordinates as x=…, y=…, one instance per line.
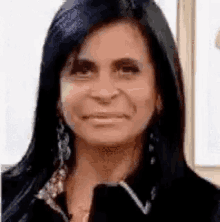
x=105, y=116
x=107, y=121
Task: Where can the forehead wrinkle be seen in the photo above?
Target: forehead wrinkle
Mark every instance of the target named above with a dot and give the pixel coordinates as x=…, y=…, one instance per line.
x=101, y=35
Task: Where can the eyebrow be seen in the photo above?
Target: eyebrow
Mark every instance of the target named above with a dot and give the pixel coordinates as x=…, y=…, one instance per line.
x=127, y=61
x=116, y=64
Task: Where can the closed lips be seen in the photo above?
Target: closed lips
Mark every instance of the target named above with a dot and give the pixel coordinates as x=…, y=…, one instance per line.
x=108, y=116
x=104, y=116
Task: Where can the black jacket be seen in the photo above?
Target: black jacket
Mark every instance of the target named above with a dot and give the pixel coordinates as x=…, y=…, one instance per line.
x=187, y=198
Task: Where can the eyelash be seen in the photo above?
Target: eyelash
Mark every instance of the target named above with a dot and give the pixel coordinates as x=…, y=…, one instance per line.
x=81, y=69
x=86, y=69
x=134, y=70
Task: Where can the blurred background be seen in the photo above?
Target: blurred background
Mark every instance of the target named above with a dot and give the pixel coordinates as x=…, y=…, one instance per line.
x=196, y=28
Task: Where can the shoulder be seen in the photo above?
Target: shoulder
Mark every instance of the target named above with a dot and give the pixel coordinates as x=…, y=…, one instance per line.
x=196, y=185
x=216, y=210
x=18, y=190
x=191, y=199
x=10, y=189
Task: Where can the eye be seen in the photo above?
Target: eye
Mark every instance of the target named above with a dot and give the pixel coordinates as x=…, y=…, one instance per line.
x=126, y=67
x=128, y=71
x=82, y=69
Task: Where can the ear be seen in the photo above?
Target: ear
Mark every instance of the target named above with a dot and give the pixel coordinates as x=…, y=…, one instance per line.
x=159, y=104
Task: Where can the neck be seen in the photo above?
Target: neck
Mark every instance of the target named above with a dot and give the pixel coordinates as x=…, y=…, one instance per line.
x=106, y=164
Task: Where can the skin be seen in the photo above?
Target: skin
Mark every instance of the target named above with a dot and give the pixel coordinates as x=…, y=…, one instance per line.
x=107, y=153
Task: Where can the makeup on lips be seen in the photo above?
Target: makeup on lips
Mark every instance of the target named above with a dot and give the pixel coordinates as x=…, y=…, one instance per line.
x=104, y=118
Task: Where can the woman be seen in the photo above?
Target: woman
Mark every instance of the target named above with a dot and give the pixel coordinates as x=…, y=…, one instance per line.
x=109, y=127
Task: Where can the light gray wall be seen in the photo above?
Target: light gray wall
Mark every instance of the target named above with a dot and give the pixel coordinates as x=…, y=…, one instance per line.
x=23, y=26
x=207, y=81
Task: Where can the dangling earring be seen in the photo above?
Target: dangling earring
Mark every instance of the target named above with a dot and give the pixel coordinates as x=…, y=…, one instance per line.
x=55, y=185
x=151, y=146
x=63, y=143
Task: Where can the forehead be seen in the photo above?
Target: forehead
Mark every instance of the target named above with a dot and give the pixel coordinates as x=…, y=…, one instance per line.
x=115, y=40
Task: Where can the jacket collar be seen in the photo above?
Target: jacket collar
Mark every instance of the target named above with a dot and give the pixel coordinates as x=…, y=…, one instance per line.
x=148, y=173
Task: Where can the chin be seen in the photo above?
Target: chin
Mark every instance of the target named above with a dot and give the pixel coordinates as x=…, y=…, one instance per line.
x=114, y=139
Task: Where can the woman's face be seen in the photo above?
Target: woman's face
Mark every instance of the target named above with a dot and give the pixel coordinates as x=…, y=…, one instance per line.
x=113, y=75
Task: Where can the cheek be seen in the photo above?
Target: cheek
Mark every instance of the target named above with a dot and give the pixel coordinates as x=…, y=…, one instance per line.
x=145, y=103
x=143, y=95
x=71, y=98
x=69, y=92
x=143, y=99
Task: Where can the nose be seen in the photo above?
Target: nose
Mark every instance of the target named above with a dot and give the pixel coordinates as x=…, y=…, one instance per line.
x=104, y=90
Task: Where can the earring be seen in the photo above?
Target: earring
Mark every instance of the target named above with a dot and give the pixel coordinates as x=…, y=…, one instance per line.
x=154, y=137
x=151, y=148
x=63, y=143
x=55, y=185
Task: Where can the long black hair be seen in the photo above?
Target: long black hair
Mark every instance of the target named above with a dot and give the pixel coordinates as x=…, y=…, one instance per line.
x=71, y=24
